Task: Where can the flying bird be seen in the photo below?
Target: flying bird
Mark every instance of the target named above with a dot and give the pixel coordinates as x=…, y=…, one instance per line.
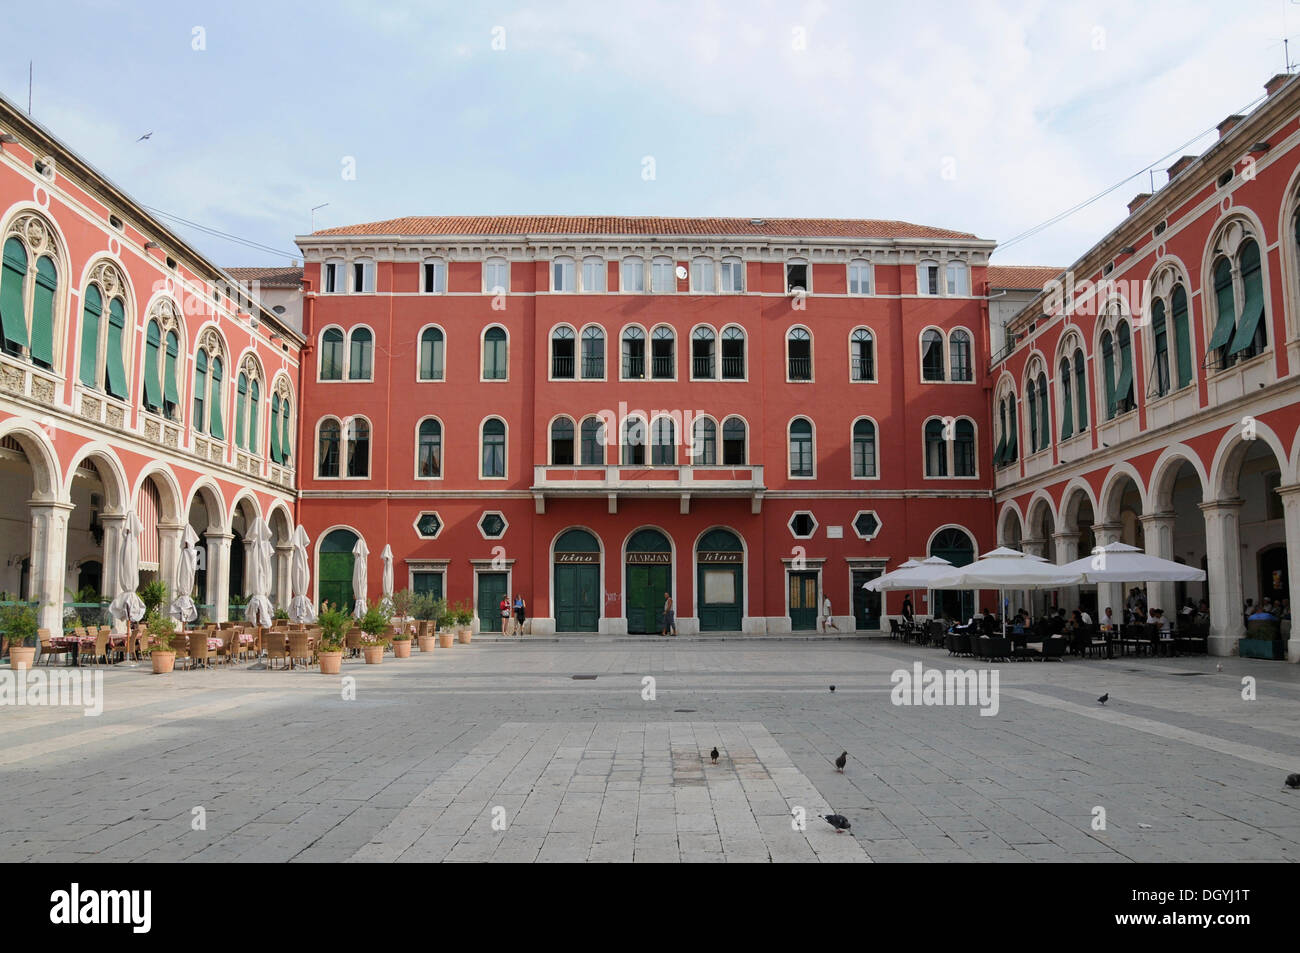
x=714, y=754
x=1104, y=698
x=841, y=761
x=145, y=136
x=1293, y=780
x=837, y=821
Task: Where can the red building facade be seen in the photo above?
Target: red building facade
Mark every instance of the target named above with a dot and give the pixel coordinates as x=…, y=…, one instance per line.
x=752, y=416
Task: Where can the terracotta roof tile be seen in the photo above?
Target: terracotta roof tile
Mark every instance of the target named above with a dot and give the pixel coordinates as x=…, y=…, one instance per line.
x=455, y=225
x=1022, y=277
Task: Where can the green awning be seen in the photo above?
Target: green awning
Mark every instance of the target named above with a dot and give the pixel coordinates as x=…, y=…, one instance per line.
x=14, y=272
x=275, y=428
x=170, y=393
x=1227, y=310
x=215, y=426
x=116, y=366
x=1252, y=310
x=152, y=344
x=47, y=282
x=90, y=337
x=1067, y=411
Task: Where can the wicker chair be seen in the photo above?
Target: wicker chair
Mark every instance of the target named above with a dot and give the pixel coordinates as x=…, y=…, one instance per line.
x=48, y=650
x=199, y=651
x=275, y=649
x=352, y=641
x=99, y=649
x=181, y=646
x=300, y=648
x=229, y=646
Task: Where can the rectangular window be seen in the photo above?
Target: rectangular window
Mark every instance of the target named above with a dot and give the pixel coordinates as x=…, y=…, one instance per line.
x=733, y=277
x=363, y=276
x=496, y=277
x=562, y=276
x=662, y=277
x=796, y=277
x=702, y=276
x=634, y=275
x=435, y=277
x=331, y=280
x=929, y=279
x=593, y=274
x=859, y=279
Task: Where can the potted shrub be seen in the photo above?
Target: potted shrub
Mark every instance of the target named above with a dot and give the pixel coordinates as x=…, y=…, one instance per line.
x=281, y=615
x=19, y=623
x=429, y=610
x=153, y=594
x=402, y=605
x=1263, y=640
x=446, y=625
x=464, y=622
x=373, y=642
x=334, y=624
x=162, y=629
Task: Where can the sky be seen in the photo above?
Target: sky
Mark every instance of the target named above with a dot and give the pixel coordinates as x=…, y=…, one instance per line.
x=985, y=117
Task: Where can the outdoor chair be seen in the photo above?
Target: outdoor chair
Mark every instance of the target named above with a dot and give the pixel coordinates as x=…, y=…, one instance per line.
x=299, y=649
x=199, y=651
x=229, y=646
x=1054, y=648
x=1191, y=639
x=962, y=643
x=999, y=649
x=1022, y=652
x=275, y=649
x=48, y=650
x=181, y=646
x=980, y=646
x=950, y=643
x=93, y=653
x=352, y=641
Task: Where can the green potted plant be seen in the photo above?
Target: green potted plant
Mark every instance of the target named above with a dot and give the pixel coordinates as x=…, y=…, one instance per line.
x=446, y=624
x=20, y=626
x=334, y=624
x=162, y=629
x=153, y=594
x=464, y=622
x=1263, y=640
x=373, y=642
x=281, y=615
x=431, y=610
x=402, y=603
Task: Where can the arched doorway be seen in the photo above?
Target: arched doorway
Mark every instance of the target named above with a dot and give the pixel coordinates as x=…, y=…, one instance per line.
x=334, y=575
x=577, y=582
x=956, y=546
x=648, y=575
x=720, y=581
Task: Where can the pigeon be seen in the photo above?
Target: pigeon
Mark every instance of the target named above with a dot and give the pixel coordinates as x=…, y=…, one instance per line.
x=1293, y=780
x=1104, y=698
x=714, y=754
x=837, y=821
x=841, y=761
x=145, y=136
x=832, y=688
x=1219, y=667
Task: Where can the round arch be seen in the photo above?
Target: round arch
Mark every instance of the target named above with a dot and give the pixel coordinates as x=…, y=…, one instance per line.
x=333, y=559
x=111, y=473
x=42, y=457
x=1232, y=448
x=1161, y=485
x=1008, y=519
x=1108, y=498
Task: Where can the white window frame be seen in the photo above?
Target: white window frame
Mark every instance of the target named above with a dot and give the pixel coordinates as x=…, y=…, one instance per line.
x=598, y=267
x=657, y=266
x=367, y=266
x=860, y=266
x=808, y=274
x=439, y=276
x=490, y=265
x=637, y=266
x=564, y=275
x=340, y=276
x=923, y=279
x=958, y=269
x=700, y=283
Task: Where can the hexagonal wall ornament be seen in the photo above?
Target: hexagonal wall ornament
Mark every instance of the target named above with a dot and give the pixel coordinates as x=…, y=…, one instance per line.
x=866, y=524
x=428, y=525
x=492, y=524
x=802, y=524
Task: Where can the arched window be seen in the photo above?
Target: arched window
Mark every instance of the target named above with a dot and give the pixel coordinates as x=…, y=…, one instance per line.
x=562, y=442
x=1031, y=399
x=733, y=354
x=662, y=353
x=200, y=389
x=634, y=354
x=105, y=345
x=663, y=450
x=91, y=313
x=963, y=449
x=358, y=448
x=1040, y=433
x=494, y=448
x=563, y=276
x=281, y=435
x=936, y=450
x=27, y=306
x=801, y=447
x=1238, y=280
x=958, y=278
x=864, y=449
x=1160, y=337
x=633, y=275
x=932, y=356
x=859, y=277
x=593, y=354
x=704, y=442
x=593, y=274
x=253, y=445
x=862, y=356
x=115, y=367
x=563, y=347
x=430, y=449
x=702, y=280
x=432, y=355
x=1044, y=413
x=275, y=429
x=634, y=440
x=703, y=356
x=331, y=355
x=956, y=547
x=495, y=354
x=798, y=347
x=328, y=456
x=1007, y=450
x=733, y=442
x=927, y=277
x=959, y=353
x=171, y=377
x=361, y=355
x=593, y=442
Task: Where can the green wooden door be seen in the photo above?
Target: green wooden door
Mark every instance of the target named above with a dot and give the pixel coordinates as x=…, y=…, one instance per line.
x=577, y=597
x=646, y=586
x=866, y=605
x=427, y=583
x=803, y=601
x=719, y=591
x=491, y=587
x=335, y=571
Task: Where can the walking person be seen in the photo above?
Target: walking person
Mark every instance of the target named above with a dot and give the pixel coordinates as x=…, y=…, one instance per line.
x=505, y=614
x=521, y=613
x=828, y=620
x=670, y=622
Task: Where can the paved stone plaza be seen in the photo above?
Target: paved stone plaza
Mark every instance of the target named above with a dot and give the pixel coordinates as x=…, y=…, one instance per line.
x=434, y=748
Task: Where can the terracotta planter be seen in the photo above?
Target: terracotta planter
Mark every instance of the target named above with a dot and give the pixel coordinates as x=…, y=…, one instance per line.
x=401, y=648
x=163, y=662
x=445, y=639
x=374, y=654
x=465, y=633
x=427, y=642
x=22, y=656
x=330, y=662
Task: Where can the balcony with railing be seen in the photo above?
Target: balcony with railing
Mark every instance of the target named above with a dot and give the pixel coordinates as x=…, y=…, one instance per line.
x=639, y=481
x=662, y=367
x=562, y=366
x=702, y=366
x=633, y=366
x=800, y=368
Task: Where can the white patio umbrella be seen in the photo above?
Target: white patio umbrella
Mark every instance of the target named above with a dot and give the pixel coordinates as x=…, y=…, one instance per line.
x=1003, y=569
x=387, y=557
x=911, y=575
x=1120, y=562
x=183, y=605
x=300, y=607
x=881, y=582
x=259, y=610
x=360, y=575
x=126, y=604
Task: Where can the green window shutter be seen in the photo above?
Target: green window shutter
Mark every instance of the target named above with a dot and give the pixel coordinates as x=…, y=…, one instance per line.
x=115, y=364
x=241, y=402
x=1013, y=447
x=1252, y=309
x=12, y=317
x=254, y=397
x=1000, y=452
x=200, y=389
x=1067, y=411
x=1031, y=399
x=1081, y=387
x=285, y=442
x=215, y=427
x=275, y=428
x=1108, y=368
x=1182, y=337
x=152, y=345
x=90, y=316
x=1044, y=414
x=1124, y=387
x=170, y=391
x=1227, y=309
x=47, y=282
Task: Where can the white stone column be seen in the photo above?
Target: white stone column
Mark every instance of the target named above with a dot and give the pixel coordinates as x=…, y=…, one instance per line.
x=1109, y=593
x=219, y=575
x=283, y=571
x=1291, y=512
x=113, y=527
x=1067, y=551
x=1223, y=556
x=1036, y=599
x=246, y=582
x=169, y=554
x=1158, y=532
x=48, y=561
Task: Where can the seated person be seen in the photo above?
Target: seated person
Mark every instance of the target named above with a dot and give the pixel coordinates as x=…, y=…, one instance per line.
x=990, y=623
x=1264, y=614
x=1158, y=619
x=1056, y=623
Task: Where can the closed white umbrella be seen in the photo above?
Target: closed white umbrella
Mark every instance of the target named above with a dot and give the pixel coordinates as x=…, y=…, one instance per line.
x=259, y=610
x=183, y=605
x=1120, y=562
x=360, y=576
x=387, y=557
x=300, y=607
x=126, y=604
x=1004, y=568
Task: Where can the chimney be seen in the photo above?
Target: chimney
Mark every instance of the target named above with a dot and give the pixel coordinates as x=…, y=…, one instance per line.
x=1228, y=124
x=1179, y=165
x=1138, y=201
x=1276, y=83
